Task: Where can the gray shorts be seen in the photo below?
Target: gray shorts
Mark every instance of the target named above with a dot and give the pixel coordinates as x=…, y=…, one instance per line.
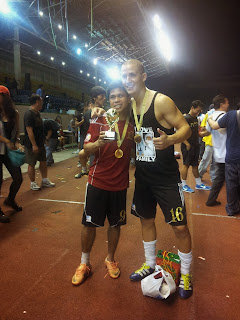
x=32, y=158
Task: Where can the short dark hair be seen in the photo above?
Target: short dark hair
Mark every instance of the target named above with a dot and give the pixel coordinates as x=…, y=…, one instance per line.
x=218, y=100
x=34, y=98
x=115, y=85
x=96, y=91
x=197, y=103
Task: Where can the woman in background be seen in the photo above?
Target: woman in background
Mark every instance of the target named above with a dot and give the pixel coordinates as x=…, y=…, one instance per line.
x=9, y=139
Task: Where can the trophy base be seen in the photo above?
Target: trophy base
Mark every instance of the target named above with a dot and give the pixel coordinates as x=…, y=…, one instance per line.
x=110, y=135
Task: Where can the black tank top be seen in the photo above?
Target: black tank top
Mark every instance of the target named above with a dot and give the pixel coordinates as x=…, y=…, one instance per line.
x=156, y=167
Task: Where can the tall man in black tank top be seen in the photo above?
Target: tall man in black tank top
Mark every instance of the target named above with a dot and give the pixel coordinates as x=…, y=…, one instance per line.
x=157, y=174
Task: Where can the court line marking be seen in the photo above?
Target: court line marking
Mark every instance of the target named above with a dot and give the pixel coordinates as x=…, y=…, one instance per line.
x=214, y=215
x=64, y=201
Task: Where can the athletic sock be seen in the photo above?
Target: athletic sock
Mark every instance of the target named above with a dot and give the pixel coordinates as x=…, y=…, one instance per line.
x=44, y=179
x=184, y=182
x=150, y=253
x=186, y=260
x=85, y=259
x=198, y=181
x=84, y=169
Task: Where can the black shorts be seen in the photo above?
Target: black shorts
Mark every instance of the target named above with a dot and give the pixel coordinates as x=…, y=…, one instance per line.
x=191, y=156
x=103, y=203
x=169, y=198
x=32, y=157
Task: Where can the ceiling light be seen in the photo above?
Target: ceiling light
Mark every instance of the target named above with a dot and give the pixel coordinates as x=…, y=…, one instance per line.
x=105, y=82
x=63, y=63
x=99, y=80
x=95, y=61
x=60, y=26
x=38, y=52
x=88, y=74
x=81, y=71
x=74, y=37
x=41, y=13
x=79, y=51
x=86, y=45
x=52, y=58
x=114, y=73
x=94, y=78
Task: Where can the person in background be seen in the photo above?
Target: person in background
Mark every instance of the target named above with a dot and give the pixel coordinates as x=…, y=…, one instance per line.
x=9, y=139
x=34, y=143
x=191, y=148
x=40, y=91
x=61, y=137
x=219, y=137
x=51, y=128
x=98, y=95
x=231, y=121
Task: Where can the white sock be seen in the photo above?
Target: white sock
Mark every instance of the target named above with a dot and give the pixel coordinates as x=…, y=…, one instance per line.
x=198, y=181
x=44, y=179
x=186, y=260
x=84, y=169
x=184, y=182
x=150, y=253
x=85, y=259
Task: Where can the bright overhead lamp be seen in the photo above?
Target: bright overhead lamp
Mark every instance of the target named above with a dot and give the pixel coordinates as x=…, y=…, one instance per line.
x=74, y=37
x=60, y=26
x=94, y=78
x=38, y=52
x=95, y=61
x=99, y=80
x=81, y=71
x=41, y=13
x=4, y=8
x=114, y=73
x=88, y=74
x=105, y=82
x=52, y=58
x=63, y=63
x=86, y=45
x=157, y=22
x=79, y=51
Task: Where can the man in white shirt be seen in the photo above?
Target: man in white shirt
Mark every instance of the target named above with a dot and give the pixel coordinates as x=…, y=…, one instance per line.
x=219, y=137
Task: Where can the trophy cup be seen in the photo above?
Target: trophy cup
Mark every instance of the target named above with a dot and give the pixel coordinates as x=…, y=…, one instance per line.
x=112, y=118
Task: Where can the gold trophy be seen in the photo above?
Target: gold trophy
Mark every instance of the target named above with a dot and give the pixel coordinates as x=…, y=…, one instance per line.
x=112, y=118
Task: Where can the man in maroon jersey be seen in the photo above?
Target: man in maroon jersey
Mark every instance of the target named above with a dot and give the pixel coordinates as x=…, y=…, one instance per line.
x=108, y=181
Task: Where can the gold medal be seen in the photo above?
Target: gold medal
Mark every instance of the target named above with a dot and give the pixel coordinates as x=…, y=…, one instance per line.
x=137, y=138
x=119, y=153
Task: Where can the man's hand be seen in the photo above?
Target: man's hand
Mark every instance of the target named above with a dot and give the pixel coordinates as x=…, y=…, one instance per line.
x=101, y=141
x=10, y=145
x=161, y=142
x=35, y=149
x=18, y=146
x=97, y=112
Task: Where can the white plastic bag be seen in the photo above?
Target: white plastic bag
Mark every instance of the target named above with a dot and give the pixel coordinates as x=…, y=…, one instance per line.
x=158, y=285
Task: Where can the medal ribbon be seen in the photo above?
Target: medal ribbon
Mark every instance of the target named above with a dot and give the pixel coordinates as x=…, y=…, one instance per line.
x=139, y=123
x=120, y=139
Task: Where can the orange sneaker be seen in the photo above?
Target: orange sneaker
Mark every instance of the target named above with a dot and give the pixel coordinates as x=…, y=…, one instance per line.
x=83, y=271
x=112, y=268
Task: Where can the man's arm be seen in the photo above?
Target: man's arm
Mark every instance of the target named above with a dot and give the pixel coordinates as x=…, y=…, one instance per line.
x=167, y=110
x=32, y=139
x=213, y=124
x=79, y=123
x=49, y=134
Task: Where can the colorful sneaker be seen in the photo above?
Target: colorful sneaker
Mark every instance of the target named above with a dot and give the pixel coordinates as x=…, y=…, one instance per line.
x=141, y=273
x=81, y=174
x=47, y=183
x=82, y=273
x=186, y=188
x=185, y=287
x=112, y=268
x=35, y=186
x=202, y=187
